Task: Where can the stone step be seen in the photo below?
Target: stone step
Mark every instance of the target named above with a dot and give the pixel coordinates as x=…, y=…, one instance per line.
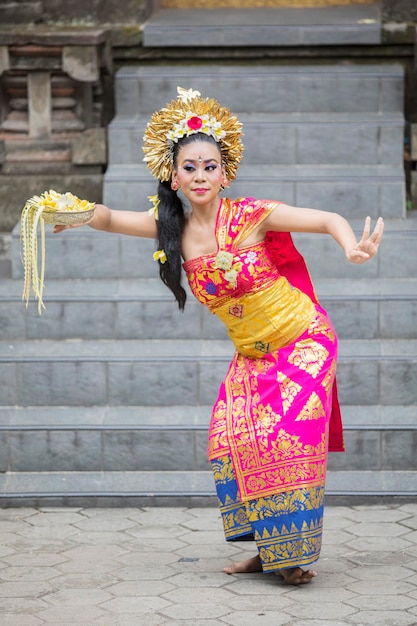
x=185, y=372
x=353, y=190
x=16, y=146
x=145, y=309
x=291, y=138
x=61, y=121
x=265, y=87
x=50, y=439
x=284, y=26
x=85, y=253
x=174, y=488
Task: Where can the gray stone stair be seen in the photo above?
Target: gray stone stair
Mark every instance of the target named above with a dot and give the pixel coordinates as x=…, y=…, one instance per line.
x=157, y=455
x=354, y=190
x=166, y=372
x=265, y=87
x=106, y=397
x=139, y=438
x=179, y=488
x=323, y=136
x=341, y=25
x=143, y=309
x=289, y=138
x=120, y=258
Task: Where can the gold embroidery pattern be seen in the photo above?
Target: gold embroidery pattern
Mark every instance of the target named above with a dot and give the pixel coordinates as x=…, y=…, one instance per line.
x=320, y=325
x=289, y=547
x=236, y=220
x=289, y=464
x=255, y=419
x=236, y=310
x=309, y=356
x=259, y=366
x=329, y=378
x=290, y=502
x=265, y=419
x=313, y=410
x=268, y=459
x=289, y=389
x=286, y=527
x=218, y=444
x=262, y=347
x=235, y=520
x=222, y=472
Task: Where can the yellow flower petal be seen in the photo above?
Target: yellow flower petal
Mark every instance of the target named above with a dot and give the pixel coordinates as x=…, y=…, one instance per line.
x=160, y=256
x=155, y=201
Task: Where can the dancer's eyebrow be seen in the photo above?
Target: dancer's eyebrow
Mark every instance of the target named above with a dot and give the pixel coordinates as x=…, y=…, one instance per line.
x=200, y=161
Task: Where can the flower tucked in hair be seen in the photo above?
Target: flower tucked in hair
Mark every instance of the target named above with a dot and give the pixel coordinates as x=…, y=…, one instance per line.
x=160, y=256
x=154, y=209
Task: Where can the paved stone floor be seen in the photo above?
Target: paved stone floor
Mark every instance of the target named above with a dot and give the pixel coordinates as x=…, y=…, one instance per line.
x=155, y=566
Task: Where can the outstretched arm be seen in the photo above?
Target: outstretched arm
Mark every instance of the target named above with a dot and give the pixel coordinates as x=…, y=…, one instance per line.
x=287, y=218
x=136, y=223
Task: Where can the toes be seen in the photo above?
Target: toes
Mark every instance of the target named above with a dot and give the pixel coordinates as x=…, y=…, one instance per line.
x=306, y=577
x=297, y=576
x=244, y=567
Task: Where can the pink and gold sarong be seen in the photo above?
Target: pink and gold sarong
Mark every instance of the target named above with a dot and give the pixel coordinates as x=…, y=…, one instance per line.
x=269, y=431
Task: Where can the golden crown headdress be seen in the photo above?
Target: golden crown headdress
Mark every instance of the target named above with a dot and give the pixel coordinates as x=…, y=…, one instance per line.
x=187, y=115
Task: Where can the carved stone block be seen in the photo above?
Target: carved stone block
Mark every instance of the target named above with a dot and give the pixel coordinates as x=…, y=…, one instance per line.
x=90, y=147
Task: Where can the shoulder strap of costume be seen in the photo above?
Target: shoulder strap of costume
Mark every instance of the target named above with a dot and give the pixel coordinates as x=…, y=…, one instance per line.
x=238, y=218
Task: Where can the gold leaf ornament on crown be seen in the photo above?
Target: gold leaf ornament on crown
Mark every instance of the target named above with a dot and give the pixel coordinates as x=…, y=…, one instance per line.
x=189, y=114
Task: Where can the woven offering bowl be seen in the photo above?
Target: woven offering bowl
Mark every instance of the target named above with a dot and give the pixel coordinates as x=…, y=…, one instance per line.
x=67, y=218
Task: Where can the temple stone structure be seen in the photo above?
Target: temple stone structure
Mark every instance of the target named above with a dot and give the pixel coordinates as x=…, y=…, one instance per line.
x=106, y=396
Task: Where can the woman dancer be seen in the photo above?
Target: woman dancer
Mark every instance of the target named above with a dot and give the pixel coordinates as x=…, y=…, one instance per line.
x=276, y=415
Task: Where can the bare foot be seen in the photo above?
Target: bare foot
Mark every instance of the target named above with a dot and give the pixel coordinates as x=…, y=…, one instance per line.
x=245, y=567
x=297, y=576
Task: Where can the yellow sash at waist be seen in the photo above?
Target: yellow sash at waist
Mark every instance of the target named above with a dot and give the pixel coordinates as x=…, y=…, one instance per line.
x=263, y=321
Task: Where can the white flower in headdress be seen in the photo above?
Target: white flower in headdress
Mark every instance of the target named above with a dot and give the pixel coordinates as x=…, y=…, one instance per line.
x=187, y=94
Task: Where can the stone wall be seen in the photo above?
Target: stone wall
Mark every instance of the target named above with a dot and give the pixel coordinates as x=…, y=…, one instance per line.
x=96, y=11
x=136, y=11
x=131, y=11
x=399, y=10
x=56, y=98
x=74, y=11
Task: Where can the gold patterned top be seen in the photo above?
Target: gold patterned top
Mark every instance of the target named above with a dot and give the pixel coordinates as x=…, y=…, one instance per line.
x=242, y=286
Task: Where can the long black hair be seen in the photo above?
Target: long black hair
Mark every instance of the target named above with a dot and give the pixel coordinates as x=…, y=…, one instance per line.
x=170, y=224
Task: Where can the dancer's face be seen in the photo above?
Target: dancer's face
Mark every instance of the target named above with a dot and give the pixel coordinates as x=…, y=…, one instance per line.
x=199, y=172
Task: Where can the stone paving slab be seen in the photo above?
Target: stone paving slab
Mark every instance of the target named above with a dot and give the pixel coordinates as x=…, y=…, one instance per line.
x=157, y=566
